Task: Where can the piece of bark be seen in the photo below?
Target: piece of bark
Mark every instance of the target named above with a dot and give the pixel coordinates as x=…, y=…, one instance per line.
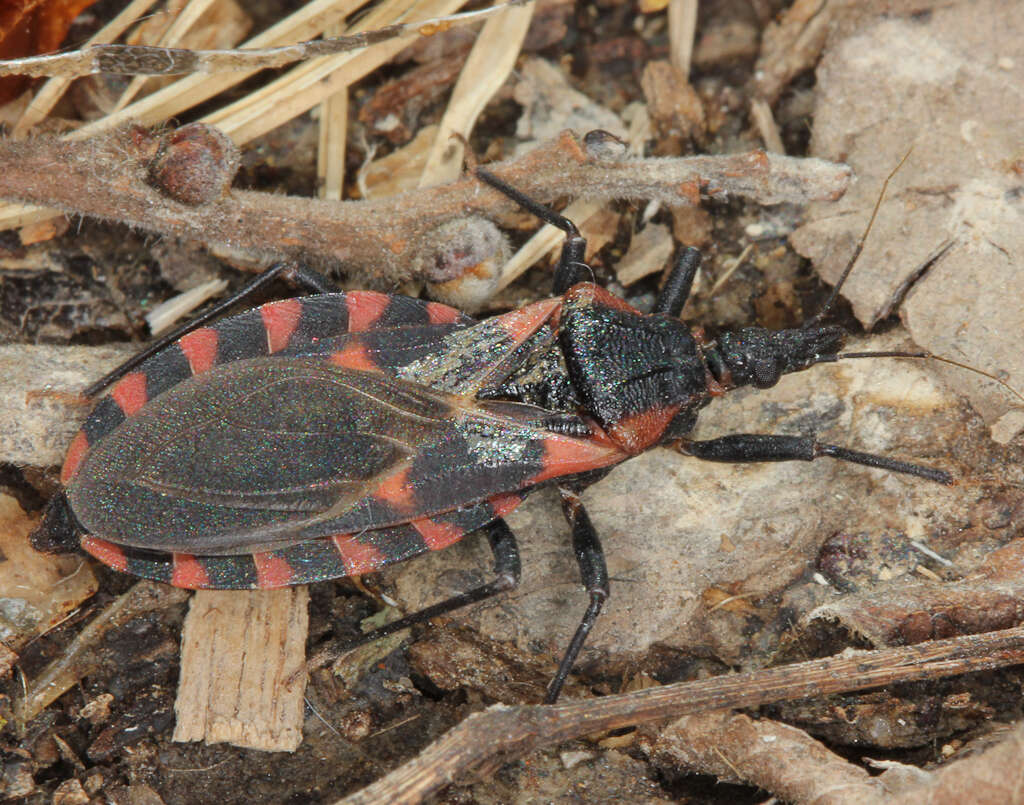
x=394, y=108
x=41, y=407
x=995, y=777
x=238, y=650
x=771, y=755
x=791, y=45
x=905, y=612
x=692, y=226
x=726, y=41
x=675, y=107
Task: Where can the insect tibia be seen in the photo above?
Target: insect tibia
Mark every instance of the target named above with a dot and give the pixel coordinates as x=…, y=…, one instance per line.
x=758, y=357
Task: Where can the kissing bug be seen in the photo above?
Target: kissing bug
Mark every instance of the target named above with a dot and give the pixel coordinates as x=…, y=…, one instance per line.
x=330, y=435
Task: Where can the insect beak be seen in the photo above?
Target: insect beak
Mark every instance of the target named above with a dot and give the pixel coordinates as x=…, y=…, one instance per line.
x=810, y=345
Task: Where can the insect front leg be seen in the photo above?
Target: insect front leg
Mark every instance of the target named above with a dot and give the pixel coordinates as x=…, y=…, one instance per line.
x=679, y=283
x=594, y=573
x=752, y=447
x=303, y=277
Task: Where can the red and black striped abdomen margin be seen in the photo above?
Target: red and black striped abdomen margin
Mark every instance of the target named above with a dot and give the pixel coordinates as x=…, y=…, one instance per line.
x=304, y=562
x=286, y=327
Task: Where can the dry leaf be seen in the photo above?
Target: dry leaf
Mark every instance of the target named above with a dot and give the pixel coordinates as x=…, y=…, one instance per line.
x=36, y=590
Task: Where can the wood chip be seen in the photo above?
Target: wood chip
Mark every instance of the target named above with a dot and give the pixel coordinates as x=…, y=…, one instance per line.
x=237, y=651
x=649, y=252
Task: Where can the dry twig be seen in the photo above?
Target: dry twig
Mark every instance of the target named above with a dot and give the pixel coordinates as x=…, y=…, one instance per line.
x=509, y=732
x=392, y=239
x=150, y=60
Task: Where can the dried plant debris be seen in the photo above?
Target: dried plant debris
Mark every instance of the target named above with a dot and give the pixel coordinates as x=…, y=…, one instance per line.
x=28, y=27
x=36, y=591
x=950, y=236
x=910, y=611
x=725, y=572
x=773, y=756
x=147, y=60
x=781, y=759
x=551, y=105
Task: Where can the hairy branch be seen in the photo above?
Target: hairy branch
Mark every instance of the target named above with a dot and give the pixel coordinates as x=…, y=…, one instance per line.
x=139, y=178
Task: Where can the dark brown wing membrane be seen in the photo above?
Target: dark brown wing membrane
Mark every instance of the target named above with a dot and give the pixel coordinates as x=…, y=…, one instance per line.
x=271, y=451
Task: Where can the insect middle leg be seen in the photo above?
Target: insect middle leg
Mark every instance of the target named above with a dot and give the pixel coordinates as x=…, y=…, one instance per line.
x=571, y=268
x=753, y=447
x=594, y=573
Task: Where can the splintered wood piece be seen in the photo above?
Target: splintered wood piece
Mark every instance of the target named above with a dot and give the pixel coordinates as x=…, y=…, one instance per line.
x=238, y=650
x=490, y=61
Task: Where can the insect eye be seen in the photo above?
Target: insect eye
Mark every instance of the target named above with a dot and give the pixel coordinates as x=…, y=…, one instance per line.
x=766, y=373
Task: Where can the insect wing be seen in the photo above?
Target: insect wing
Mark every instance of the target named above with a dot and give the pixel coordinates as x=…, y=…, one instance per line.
x=267, y=452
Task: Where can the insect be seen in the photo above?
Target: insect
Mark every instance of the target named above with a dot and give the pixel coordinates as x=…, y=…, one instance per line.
x=332, y=434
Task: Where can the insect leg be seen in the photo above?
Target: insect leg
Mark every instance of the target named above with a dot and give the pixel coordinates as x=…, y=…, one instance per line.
x=594, y=573
x=750, y=447
x=571, y=268
x=299, y=275
x=676, y=290
x=507, y=569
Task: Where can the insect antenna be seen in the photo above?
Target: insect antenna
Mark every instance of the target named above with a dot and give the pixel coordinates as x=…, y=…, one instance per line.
x=932, y=357
x=817, y=317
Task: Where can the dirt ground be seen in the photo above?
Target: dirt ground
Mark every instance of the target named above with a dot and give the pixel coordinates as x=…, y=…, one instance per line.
x=716, y=570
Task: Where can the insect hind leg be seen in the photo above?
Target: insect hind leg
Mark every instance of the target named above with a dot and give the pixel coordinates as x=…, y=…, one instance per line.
x=507, y=571
x=301, y=276
x=571, y=268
